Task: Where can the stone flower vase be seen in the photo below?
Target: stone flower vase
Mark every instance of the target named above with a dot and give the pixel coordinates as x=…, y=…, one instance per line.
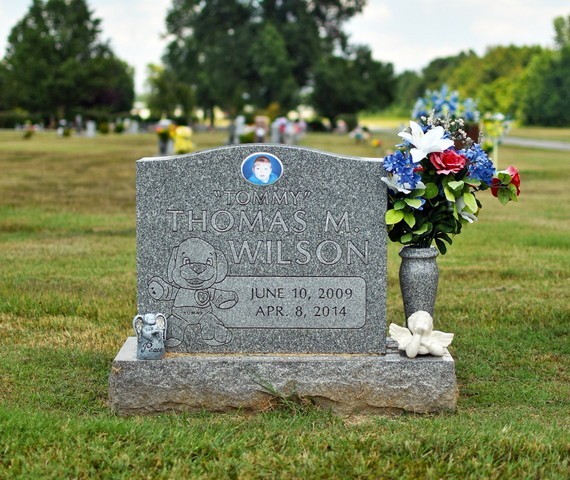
x=418, y=279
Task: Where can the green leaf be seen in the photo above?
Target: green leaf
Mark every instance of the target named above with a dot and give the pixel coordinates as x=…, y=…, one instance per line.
x=456, y=185
x=504, y=177
x=399, y=205
x=473, y=182
x=470, y=201
x=445, y=227
x=413, y=202
x=446, y=237
x=406, y=238
x=441, y=246
x=504, y=195
x=449, y=194
x=423, y=229
x=393, y=216
x=418, y=192
x=431, y=191
x=410, y=219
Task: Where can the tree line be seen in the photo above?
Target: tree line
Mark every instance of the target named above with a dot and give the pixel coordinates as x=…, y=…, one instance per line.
x=57, y=65
x=530, y=84
x=266, y=55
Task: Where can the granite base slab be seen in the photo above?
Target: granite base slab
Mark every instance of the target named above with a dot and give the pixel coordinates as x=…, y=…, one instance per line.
x=347, y=384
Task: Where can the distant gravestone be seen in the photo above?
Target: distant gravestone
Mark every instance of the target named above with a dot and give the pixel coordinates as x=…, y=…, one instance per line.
x=270, y=265
x=298, y=265
x=90, y=128
x=240, y=127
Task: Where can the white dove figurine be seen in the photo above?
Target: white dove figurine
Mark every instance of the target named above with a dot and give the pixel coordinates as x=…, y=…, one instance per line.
x=420, y=338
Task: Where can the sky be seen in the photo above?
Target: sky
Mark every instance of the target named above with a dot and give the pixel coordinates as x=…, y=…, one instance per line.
x=407, y=33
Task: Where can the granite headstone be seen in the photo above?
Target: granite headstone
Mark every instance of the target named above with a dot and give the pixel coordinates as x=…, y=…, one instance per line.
x=269, y=264
x=293, y=262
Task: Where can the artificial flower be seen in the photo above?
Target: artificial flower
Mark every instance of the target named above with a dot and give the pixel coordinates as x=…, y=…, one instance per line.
x=445, y=104
x=425, y=143
x=433, y=195
x=504, y=181
x=480, y=166
x=447, y=162
x=461, y=211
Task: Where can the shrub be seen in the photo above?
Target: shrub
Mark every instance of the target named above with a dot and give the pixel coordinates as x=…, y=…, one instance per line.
x=316, y=126
x=247, y=137
x=103, y=128
x=351, y=120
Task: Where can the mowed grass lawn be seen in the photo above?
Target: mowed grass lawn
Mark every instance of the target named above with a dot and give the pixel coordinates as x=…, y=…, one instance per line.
x=68, y=295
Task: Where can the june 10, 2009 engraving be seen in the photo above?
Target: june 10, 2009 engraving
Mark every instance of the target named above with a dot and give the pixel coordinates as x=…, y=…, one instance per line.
x=297, y=302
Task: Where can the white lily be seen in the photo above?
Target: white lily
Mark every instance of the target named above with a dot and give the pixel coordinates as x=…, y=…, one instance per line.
x=425, y=143
x=393, y=182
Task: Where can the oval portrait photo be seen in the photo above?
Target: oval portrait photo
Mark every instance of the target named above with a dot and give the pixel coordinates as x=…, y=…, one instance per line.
x=262, y=168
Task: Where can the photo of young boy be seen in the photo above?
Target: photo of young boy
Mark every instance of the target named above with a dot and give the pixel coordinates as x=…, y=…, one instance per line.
x=262, y=169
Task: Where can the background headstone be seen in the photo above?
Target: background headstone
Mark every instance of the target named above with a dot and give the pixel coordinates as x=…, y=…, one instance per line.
x=91, y=128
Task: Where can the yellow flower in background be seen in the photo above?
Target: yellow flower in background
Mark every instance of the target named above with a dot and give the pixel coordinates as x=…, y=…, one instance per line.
x=183, y=139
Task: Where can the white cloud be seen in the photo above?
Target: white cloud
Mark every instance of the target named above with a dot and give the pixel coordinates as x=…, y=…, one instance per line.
x=136, y=31
x=413, y=33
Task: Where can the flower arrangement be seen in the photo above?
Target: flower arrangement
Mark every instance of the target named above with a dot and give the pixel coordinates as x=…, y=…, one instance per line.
x=444, y=103
x=165, y=132
x=495, y=127
x=432, y=184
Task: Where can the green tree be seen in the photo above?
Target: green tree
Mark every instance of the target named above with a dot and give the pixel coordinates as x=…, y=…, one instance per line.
x=56, y=61
x=351, y=83
x=270, y=76
x=210, y=50
x=438, y=71
x=5, y=101
x=254, y=51
x=409, y=86
x=545, y=99
x=310, y=29
x=495, y=78
x=562, y=31
x=168, y=93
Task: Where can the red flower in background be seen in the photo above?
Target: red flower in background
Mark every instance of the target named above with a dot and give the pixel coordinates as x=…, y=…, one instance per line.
x=515, y=180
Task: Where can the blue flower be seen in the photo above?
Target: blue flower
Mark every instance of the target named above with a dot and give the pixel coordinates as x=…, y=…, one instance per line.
x=479, y=166
x=420, y=109
x=396, y=161
x=445, y=103
x=401, y=168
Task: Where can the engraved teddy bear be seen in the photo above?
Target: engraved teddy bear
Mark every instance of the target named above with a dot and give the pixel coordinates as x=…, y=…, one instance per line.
x=194, y=268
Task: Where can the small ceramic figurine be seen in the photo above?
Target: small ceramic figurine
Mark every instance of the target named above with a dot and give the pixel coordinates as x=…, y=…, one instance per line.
x=151, y=332
x=420, y=338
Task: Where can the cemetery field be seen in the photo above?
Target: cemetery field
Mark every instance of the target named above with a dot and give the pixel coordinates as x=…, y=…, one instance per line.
x=68, y=296
x=542, y=133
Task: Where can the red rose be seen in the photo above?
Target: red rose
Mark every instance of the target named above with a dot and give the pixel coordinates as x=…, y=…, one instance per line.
x=447, y=162
x=515, y=180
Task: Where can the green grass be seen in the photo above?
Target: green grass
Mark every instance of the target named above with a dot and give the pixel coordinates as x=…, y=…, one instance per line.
x=67, y=297
x=541, y=133
x=378, y=121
